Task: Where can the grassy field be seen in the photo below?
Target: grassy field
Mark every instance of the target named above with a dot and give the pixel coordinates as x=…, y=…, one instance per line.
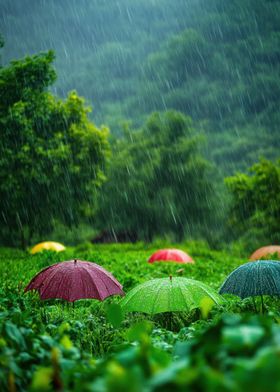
x=54, y=345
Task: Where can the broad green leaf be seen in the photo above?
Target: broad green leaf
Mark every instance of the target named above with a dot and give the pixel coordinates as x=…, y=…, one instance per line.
x=114, y=315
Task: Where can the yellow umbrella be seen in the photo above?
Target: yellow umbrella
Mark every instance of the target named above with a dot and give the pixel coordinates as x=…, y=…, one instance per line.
x=48, y=245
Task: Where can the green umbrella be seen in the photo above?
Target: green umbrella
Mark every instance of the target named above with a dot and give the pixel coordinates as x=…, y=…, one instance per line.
x=168, y=295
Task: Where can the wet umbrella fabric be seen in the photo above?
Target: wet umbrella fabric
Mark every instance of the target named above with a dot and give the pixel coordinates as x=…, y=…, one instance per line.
x=73, y=280
x=47, y=245
x=168, y=295
x=175, y=255
x=261, y=277
x=265, y=251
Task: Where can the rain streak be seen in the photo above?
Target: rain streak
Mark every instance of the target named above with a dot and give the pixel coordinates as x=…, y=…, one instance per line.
x=139, y=195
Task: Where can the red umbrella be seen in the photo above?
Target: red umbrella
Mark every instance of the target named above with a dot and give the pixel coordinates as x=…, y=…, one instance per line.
x=176, y=255
x=265, y=251
x=73, y=280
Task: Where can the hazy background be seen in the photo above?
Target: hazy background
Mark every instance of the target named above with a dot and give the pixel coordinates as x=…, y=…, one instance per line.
x=215, y=62
x=131, y=57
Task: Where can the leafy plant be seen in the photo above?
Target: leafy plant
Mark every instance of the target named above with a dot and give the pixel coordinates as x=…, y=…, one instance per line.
x=53, y=157
x=255, y=203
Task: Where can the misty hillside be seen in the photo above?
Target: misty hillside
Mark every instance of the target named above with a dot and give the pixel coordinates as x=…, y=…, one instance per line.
x=215, y=60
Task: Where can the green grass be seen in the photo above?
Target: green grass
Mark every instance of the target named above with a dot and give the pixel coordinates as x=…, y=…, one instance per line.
x=32, y=330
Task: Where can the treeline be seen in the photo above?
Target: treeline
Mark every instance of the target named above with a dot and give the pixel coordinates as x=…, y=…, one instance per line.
x=56, y=166
x=216, y=61
x=159, y=183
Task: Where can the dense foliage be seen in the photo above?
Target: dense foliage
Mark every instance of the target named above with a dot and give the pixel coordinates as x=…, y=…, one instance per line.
x=48, y=345
x=214, y=60
x=159, y=183
x=255, y=209
x=52, y=157
x=224, y=69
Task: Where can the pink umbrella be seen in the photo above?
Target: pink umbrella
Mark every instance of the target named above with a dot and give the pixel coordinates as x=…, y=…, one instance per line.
x=73, y=280
x=176, y=255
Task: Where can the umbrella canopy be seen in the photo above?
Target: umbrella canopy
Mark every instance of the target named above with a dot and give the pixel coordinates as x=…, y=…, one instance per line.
x=47, y=245
x=265, y=251
x=73, y=280
x=176, y=255
x=168, y=295
x=261, y=277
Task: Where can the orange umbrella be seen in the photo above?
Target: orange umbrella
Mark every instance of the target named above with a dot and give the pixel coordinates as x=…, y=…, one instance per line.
x=265, y=251
x=48, y=245
x=176, y=255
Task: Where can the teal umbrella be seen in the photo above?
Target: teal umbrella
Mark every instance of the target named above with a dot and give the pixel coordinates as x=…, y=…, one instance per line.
x=261, y=277
x=168, y=295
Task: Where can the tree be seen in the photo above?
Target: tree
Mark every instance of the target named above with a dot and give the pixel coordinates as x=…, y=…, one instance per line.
x=255, y=207
x=52, y=158
x=157, y=182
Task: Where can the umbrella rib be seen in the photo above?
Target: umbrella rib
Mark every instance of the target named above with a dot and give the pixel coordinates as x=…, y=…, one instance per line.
x=55, y=268
x=275, y=284
x=65, y=278
x=45, y=276
x=206, y=291
x=103, y=271
x=130, y=296
x=36, y=277
x=270, y=282
x=182, y=294
x=211, y=295
x=92, y=280
x=99, y=276
x=157, y=294
x=46, y=286
x=113, y=280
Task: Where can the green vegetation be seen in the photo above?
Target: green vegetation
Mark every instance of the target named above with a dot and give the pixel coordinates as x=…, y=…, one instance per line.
x=255, y=208
x=47, y=344
x=158, y=183
x=211, y=84
x=224, y=70
x=217, y=62
x=190, y=90
x=52, y=156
